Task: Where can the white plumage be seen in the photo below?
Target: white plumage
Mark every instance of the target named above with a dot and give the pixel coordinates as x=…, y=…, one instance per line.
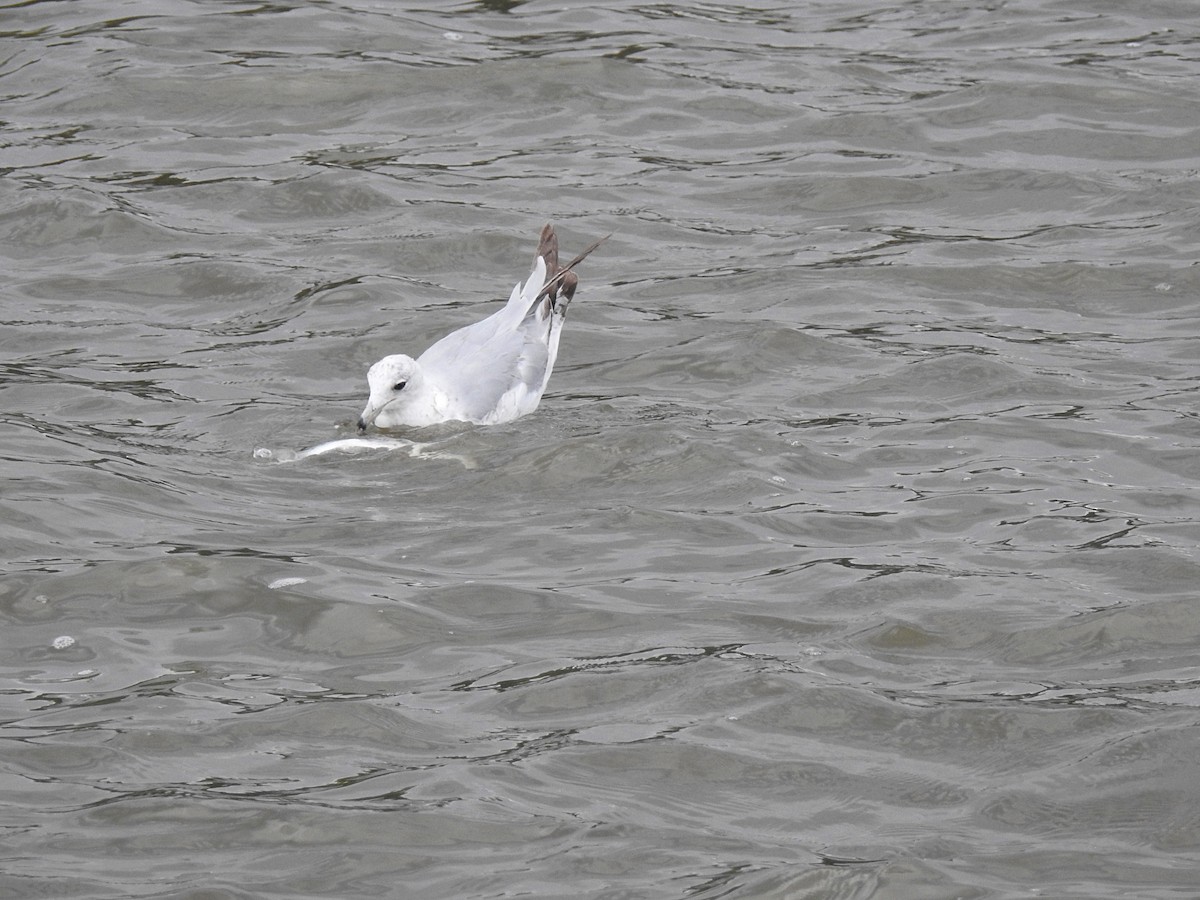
x=490, y=372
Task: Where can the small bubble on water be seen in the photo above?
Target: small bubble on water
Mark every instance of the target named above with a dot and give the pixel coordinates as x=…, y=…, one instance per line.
x=62, y=642
x=1163, y=286
x=263, y=453
x=452, y=35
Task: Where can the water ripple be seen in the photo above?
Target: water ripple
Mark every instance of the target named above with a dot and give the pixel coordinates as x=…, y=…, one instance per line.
x=851, y=554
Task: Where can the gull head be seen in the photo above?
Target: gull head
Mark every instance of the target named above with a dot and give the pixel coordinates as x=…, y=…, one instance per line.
x=393, y=382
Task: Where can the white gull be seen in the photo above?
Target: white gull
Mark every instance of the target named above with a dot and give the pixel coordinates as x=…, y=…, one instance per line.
x=490, y=372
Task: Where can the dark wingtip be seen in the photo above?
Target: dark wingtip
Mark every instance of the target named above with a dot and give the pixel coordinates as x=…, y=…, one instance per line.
x=362, y=426
x=570, y=281
x=548, y=250
x=556, y=275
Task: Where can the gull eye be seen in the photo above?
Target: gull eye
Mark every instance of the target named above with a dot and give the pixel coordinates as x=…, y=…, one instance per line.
x=399, y=385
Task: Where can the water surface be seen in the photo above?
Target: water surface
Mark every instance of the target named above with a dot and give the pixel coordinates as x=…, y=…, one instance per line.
x=851, y=554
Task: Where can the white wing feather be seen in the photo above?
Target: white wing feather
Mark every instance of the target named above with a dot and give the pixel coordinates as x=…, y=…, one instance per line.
x=490, y=370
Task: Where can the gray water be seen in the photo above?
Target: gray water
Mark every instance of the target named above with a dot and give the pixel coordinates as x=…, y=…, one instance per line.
x=852, y=553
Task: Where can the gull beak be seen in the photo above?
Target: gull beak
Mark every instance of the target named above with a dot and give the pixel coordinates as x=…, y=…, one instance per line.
x=368, y=416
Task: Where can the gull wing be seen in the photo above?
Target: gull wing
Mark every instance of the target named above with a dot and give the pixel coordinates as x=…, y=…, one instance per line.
x=490, y=369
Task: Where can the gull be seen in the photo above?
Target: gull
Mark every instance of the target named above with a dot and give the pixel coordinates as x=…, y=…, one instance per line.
x=490, y=372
